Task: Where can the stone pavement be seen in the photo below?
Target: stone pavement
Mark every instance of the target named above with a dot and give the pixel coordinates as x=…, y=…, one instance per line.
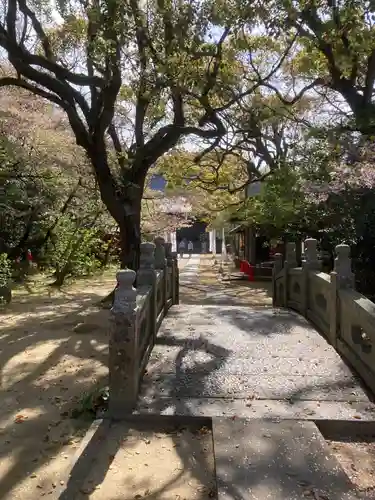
x=263, y=376
x=204, y=285
x=288, y=460
x=189, y=267
x=217, y=360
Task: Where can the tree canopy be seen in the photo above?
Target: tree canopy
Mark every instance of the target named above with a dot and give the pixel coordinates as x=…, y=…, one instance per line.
x=214, y=95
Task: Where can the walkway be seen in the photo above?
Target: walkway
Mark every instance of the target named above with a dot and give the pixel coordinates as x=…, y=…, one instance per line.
x=236, y=364
x=217, y=360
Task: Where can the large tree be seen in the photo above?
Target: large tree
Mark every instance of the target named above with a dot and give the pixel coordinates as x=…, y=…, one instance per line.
x=335, y=53
x=135, y=79
x=109, y=63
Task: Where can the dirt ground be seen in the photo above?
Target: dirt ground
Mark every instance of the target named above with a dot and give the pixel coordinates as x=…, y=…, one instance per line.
x=159, y=464
x=46, y=366
x=53, y=348
x=358, y=461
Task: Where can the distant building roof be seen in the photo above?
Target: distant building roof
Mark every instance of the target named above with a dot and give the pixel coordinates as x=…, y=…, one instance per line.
x=157, y=182
x=177, y=204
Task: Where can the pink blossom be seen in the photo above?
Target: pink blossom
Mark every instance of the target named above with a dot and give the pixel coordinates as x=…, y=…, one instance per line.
x=343, y=176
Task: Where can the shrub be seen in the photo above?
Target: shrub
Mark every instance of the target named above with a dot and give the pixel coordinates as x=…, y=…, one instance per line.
x=5, y=277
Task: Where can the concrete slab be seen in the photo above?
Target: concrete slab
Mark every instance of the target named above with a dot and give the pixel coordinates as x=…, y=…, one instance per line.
x=289, y=460
x=240, y=385
x=263, y=408
x=275, y=357
x=165, y=360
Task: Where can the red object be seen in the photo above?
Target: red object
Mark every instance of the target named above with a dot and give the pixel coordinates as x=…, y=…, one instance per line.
x=248, y=269
x=29, y=256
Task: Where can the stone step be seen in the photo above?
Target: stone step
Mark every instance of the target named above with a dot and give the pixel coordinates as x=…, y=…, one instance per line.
x=287, y=460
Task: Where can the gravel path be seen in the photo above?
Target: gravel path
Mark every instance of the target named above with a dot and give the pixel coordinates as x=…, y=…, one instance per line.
x=215, y=360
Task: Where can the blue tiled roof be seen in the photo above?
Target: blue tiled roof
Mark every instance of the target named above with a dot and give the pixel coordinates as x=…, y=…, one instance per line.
x=157, y=182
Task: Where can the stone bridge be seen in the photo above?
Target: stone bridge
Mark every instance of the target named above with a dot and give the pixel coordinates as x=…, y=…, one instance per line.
x=267, y=381
x=217, y=360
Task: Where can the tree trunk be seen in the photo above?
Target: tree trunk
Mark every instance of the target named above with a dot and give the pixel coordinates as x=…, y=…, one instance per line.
x=22, y=244
x=123, y=201
x=64, y=208
x=130, y=238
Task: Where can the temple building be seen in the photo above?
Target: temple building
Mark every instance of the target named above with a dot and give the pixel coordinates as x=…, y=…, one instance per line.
x=191, y=227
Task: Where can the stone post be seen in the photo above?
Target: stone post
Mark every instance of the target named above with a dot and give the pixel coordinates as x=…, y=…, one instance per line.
x=160, y=260
x=290, y=256
x=169, y=274
x=123, y=347
x=311, y=254
x=290, y=262
x=341, y=277
x=299, y=252
x=168, y=250
x=310, y=263
x=343, y=267
x=146, y=272
x=146, y=276
x=278, y=263
x=278, y=266
x=161, y=263
x=176, y=280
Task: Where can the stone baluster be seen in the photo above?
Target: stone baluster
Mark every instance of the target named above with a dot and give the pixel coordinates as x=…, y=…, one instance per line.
x=309, y=263
x=146, y=276
x=311, y=260
x=176, y=279
x=343, y=267
x=146, y=272
x=169, y=274
x=161, y=263
x=290, y=257
x=341, y=277
x=160, y=260
x=170, y=271
x=168, y=251
x=299, y=251
x=290, y=262
x=123, y=347
x=278, y=265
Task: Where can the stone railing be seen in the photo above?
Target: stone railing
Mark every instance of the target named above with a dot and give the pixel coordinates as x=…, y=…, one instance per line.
x=136, y=316
x=330, y=302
